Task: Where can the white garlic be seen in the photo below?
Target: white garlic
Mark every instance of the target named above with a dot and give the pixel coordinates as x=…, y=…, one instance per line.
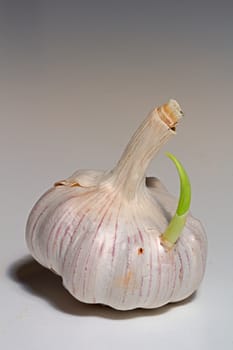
x=102, y=231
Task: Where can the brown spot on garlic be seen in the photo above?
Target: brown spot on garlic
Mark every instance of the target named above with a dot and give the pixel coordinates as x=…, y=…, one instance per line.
x=125, y=280
x=67, y=183
x=140, y=251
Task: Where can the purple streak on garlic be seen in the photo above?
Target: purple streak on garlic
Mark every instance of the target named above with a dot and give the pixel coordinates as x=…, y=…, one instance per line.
x=101, y=231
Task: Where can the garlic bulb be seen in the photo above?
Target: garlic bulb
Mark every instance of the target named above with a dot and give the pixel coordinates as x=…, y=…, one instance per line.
x=107, y=233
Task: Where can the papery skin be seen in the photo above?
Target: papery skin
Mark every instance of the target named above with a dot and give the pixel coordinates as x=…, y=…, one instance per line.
x=103, y=238
x=111, y=255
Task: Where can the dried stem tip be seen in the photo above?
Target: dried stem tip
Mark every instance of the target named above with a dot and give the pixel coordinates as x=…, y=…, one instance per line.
x=170, y=113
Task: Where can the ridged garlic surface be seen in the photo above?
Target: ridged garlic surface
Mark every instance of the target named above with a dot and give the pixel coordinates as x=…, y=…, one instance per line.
x=101, y=230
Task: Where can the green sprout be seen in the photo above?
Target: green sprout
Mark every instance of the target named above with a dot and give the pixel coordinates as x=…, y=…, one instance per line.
x=177, y=223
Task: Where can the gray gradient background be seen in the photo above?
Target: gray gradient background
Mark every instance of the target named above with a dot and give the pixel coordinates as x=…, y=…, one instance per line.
x=76, y=79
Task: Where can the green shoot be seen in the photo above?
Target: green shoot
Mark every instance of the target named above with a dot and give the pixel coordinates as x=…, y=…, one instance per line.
x=177, y=223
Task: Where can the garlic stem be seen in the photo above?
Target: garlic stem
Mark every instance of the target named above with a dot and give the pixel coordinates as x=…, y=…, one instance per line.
x=152, y=134
x=177, y=223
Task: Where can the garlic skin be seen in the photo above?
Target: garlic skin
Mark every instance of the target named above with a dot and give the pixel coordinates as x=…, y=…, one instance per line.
x=101, y=231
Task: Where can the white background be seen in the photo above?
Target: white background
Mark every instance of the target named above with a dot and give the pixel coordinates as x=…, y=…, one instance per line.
x=76, y=81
